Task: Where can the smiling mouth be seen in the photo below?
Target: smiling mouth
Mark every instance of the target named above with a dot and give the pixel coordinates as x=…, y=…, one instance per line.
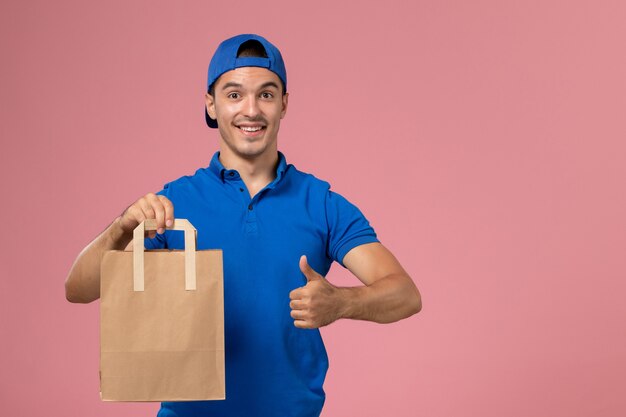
x=251, y=129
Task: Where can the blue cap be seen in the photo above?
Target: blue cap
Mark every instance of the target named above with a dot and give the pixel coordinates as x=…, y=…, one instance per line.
x=225, y=59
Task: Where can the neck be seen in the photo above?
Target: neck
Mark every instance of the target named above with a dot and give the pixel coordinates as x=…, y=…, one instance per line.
x=256, y=172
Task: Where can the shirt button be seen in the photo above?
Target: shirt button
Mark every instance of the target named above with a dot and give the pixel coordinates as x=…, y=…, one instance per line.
x=232, y=174
x=241, y=189
x=250, y=207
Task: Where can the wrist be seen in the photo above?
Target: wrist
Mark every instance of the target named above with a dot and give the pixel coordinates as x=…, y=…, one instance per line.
x=350, y=302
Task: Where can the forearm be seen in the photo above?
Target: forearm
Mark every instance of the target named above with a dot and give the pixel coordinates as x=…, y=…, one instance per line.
x=83, y=281
x=386, y=300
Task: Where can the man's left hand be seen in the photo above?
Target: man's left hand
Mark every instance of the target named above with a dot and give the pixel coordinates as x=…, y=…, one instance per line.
x=316, y=304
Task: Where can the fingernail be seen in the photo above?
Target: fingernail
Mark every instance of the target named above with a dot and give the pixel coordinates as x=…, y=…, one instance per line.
x=168, y=223
x=160, y=230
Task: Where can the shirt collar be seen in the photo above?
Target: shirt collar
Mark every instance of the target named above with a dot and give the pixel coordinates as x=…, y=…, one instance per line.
x=218, y=169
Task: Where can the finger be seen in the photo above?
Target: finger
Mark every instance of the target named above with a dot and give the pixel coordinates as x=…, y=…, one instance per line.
x=298, y=314
x=146, y=209
x=302, y=324
x=297, y=294
x=159, y=212
x=296, y=304
x=133, y=216
x=137, y=215
x=306, y=269
x=143, y=211
x=169, y=210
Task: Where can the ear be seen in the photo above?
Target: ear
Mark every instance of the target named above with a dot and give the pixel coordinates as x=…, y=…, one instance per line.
x=285, y=103
x=210, y=105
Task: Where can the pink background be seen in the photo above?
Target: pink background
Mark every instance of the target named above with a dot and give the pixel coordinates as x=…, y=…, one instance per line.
x=484, y=140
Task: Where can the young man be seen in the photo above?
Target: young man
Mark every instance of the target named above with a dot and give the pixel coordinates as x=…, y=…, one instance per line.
x=280, y=230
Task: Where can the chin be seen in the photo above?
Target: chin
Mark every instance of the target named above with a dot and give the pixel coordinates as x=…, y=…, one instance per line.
x=251, y=152
x=245, y=147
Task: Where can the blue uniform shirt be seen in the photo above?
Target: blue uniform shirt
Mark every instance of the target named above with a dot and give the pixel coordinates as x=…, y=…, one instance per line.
x=272, y=367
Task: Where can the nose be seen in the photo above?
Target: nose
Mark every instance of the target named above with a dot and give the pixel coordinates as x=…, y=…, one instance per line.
x=251, y=107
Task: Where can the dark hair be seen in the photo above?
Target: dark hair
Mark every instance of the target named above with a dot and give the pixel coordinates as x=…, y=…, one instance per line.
x=250, y=48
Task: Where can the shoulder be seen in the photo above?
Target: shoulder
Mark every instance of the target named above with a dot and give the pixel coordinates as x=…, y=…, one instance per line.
x=199, y=179
x=305, y=180
x=318, y=191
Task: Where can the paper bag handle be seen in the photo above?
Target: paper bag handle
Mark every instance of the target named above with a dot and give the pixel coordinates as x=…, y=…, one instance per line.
x=139, y=248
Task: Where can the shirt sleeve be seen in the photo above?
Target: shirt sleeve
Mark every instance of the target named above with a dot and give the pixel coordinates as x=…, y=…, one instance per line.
x=347, y=227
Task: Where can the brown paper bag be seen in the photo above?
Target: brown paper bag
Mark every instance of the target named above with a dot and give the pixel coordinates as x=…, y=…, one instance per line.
x=162, y=322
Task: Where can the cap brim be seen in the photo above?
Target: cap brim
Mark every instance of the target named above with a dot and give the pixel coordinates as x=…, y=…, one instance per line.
x=210, y=122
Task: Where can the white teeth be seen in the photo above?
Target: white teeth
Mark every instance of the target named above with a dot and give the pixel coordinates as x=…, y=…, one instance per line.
x=250, y=129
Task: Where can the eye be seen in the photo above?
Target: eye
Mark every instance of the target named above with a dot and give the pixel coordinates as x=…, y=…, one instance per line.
x=267, y=95
x=233, y=95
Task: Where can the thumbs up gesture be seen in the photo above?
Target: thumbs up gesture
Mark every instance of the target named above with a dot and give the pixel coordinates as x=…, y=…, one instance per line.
x=316, y=304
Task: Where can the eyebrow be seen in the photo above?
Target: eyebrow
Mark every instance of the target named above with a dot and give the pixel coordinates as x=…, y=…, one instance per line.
x=270, y=84
x=237, y=85
x=230, y=84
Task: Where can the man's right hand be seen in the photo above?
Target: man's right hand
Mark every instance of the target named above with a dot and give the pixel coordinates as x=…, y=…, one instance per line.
x=150, y=206
x=83, y=281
